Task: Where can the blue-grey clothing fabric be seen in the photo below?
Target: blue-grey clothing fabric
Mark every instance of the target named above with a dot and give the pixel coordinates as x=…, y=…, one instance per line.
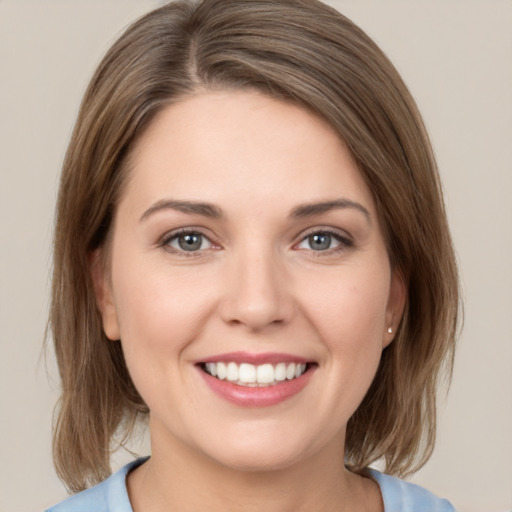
x=112, y=495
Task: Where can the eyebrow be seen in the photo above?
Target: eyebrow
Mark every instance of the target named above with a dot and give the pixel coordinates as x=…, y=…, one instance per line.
x=190, y=207
x=212, y=211
x=311, y=209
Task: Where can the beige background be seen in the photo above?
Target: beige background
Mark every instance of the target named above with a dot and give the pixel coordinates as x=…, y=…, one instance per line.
x=456, y=56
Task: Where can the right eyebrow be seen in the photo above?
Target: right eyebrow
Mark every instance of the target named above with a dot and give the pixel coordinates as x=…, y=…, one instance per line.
x=190, y=207
x=311, y=209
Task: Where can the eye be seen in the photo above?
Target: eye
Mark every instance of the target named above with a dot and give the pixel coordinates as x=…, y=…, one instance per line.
x=324, y=241
x=189, y=241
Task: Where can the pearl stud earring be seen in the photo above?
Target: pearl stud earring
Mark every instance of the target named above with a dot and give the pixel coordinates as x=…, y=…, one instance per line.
x=390, y=330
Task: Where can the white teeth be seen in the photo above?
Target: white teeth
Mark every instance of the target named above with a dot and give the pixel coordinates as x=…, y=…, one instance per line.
x=265, y=374
x=232, y=372
x=247, y=374
x=222, y=371
x=212, y=369
x=280, y=372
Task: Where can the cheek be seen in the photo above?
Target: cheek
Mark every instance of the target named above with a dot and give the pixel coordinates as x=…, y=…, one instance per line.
x=350, y=320
x=159, y=313
x=349, y=305
x=159, y=317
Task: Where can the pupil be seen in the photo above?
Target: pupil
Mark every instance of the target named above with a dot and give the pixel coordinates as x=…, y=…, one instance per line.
x=190, y=242
x=320, y=241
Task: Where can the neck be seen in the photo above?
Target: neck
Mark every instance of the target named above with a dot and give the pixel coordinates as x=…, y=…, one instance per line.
x=178, y=477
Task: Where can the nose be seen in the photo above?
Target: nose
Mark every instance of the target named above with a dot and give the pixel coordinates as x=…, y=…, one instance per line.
x=258, y=292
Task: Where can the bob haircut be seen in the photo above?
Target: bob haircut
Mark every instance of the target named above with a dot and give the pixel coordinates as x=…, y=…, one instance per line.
x=300, y=51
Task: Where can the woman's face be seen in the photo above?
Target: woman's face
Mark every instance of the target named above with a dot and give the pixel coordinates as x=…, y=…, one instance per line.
x=248, y=281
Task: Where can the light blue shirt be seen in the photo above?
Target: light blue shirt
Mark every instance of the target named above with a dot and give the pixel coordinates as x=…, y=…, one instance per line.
x=111, y=495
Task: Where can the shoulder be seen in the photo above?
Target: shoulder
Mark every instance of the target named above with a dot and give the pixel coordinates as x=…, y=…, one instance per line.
x=110, y=495
x=401, y=496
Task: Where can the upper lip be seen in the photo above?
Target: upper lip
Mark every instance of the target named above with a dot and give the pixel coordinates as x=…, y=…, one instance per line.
x=255, y=359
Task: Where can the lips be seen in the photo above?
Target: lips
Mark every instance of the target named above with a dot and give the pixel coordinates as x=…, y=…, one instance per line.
x=256, y=380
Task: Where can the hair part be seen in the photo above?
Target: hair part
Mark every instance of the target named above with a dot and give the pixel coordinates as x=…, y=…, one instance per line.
x=294, y=50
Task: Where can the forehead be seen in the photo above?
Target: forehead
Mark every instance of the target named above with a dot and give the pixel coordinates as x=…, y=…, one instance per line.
x=227, y=145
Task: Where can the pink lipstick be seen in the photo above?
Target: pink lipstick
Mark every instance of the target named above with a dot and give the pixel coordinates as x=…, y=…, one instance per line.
x=256, y=380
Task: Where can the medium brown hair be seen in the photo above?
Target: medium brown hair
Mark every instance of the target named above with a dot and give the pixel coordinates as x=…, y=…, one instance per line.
x=295, y=50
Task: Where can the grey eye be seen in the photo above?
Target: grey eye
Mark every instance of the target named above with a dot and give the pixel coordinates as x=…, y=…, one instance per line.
x=190, y=242
x=323, y=241
x=320, y=241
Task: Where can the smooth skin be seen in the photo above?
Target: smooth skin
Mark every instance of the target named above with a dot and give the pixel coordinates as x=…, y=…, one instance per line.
x=245, y=225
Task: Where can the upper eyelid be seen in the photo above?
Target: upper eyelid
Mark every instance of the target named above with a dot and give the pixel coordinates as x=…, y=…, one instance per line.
x=342, y=234
x=345, y=241
x=165, y=243
x=170, y=235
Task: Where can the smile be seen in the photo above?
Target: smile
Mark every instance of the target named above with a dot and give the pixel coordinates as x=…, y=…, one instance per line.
x=250, y=375
x=256, y=380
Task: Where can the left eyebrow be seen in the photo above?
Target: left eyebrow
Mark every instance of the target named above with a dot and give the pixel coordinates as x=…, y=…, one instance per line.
x=190, y=207
x=310, y=209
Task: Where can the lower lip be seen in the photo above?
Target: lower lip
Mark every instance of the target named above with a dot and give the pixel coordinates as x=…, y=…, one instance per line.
x=264, y=396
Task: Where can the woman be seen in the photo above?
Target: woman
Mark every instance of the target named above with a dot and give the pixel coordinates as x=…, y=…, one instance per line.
x=251, y=249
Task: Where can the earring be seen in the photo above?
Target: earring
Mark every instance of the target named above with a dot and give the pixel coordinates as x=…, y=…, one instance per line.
x=390, y=330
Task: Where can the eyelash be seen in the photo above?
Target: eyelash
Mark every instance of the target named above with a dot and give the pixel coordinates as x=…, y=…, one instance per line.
x=344, y=241
x=169, y=237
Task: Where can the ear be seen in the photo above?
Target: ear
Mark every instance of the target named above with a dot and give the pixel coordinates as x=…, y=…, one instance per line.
x=395, y=306
x=104, y=296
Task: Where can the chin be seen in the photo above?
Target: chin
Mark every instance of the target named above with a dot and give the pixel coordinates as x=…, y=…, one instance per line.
x=258, y=461
x=263, y=453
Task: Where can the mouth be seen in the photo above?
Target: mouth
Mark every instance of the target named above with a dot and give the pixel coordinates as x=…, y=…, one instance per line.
x=256, y=375
x=256, y=380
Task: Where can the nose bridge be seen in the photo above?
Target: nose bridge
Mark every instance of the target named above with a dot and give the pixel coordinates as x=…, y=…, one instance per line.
x=258, y=294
